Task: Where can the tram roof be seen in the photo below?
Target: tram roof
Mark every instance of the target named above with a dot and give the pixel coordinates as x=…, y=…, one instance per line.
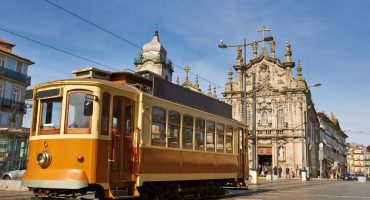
x=155, y=86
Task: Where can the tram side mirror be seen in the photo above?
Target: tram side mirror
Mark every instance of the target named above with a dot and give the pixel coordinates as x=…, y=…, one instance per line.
x=88, y=105
x=88, y=108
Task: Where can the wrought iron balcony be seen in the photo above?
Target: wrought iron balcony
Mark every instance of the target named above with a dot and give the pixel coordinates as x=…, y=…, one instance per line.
x=15, y=75
x=11, y=104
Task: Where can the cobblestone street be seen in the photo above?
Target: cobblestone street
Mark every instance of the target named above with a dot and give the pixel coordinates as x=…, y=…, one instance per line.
x=315, y=189
x=282, y=189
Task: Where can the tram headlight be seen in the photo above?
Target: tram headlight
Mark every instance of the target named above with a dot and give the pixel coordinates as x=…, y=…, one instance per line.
x=44, y=159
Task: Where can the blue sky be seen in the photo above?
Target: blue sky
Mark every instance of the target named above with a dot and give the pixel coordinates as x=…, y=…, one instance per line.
x=329, y=37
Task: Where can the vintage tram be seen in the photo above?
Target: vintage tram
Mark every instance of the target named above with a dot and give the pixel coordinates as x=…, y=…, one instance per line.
x=121, y=134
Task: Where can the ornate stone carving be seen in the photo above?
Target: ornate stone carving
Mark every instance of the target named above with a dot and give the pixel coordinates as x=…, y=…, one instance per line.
x=268, y=141
x=264, y=73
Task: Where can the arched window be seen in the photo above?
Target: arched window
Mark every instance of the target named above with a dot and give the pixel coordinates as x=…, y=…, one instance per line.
x=264, y=117
x=280, y=116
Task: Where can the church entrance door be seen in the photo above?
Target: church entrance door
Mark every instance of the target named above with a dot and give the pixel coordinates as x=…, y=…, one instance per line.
x=265, y=160
x=264, y=156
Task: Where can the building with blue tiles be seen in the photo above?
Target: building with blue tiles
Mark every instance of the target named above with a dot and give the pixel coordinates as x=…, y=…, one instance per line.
x=13, y=83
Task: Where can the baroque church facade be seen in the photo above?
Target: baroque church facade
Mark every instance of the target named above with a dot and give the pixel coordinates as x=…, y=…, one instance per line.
x=286, y=126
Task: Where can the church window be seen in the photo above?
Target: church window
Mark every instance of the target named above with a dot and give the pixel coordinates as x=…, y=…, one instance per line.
x=280, y=116
x=264, y=117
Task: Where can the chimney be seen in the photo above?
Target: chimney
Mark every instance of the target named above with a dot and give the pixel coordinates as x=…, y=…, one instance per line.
x=6, y=46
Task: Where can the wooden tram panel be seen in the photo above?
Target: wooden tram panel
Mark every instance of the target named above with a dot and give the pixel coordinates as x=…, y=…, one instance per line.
x=141, y=162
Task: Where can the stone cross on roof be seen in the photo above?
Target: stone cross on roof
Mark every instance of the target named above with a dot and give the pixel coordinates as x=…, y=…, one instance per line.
x=263, y=29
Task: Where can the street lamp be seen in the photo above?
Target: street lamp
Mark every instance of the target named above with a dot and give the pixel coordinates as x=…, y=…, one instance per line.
x=304, y=134
x=222, y=45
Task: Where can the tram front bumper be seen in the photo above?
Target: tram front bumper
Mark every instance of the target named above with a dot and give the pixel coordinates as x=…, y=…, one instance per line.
x=55, y=179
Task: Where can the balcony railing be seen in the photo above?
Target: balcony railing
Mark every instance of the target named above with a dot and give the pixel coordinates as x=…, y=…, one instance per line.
x=10, y=103
x=15, y=75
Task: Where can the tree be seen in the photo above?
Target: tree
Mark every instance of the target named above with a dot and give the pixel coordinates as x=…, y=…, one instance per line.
x=368, y=148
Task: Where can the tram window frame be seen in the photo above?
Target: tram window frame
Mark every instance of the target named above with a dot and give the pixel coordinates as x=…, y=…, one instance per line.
x=199, y=128
x=229, y=137
x=76, y=130
x=105, y=113
x=220, y=132
x=210, y=135
x=35, y=114
x=52, y=130
x=129, y=115
x=187, y=128
x=156, y=141
x=172, y=125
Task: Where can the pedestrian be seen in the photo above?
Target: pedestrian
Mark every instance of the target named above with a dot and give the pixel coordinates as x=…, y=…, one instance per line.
x=300, y=172
x=266, y=171
x=275, y=170
x=259, y=169
x=280, y=170
x=296, y=171
x=293, y=174
x=287, y=173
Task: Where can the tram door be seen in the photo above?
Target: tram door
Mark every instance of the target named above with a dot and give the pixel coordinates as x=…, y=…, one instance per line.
x=121, y=165
x=243, y=153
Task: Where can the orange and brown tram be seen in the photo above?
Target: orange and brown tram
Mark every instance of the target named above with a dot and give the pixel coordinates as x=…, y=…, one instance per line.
x=119, y=134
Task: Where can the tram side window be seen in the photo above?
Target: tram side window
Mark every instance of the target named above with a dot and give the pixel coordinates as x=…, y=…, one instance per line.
x=35, y=116
x=158, y=126
x=105, y=114
x=77, y=122
x=50, y=116
x=128, y=115
x=187, y=132
x=229, y=139
x=173, y=129
x=220, y=137
x=210, y=135
x=199, y=134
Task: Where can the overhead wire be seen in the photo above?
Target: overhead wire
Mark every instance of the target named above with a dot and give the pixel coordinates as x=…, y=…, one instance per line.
x=354, y=131
x=121, y=38
x=57, y=49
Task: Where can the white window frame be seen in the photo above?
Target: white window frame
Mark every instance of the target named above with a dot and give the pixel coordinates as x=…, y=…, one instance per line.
x=2, y=87
x=19, y=67
x=2, y=61
x=16, y=97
